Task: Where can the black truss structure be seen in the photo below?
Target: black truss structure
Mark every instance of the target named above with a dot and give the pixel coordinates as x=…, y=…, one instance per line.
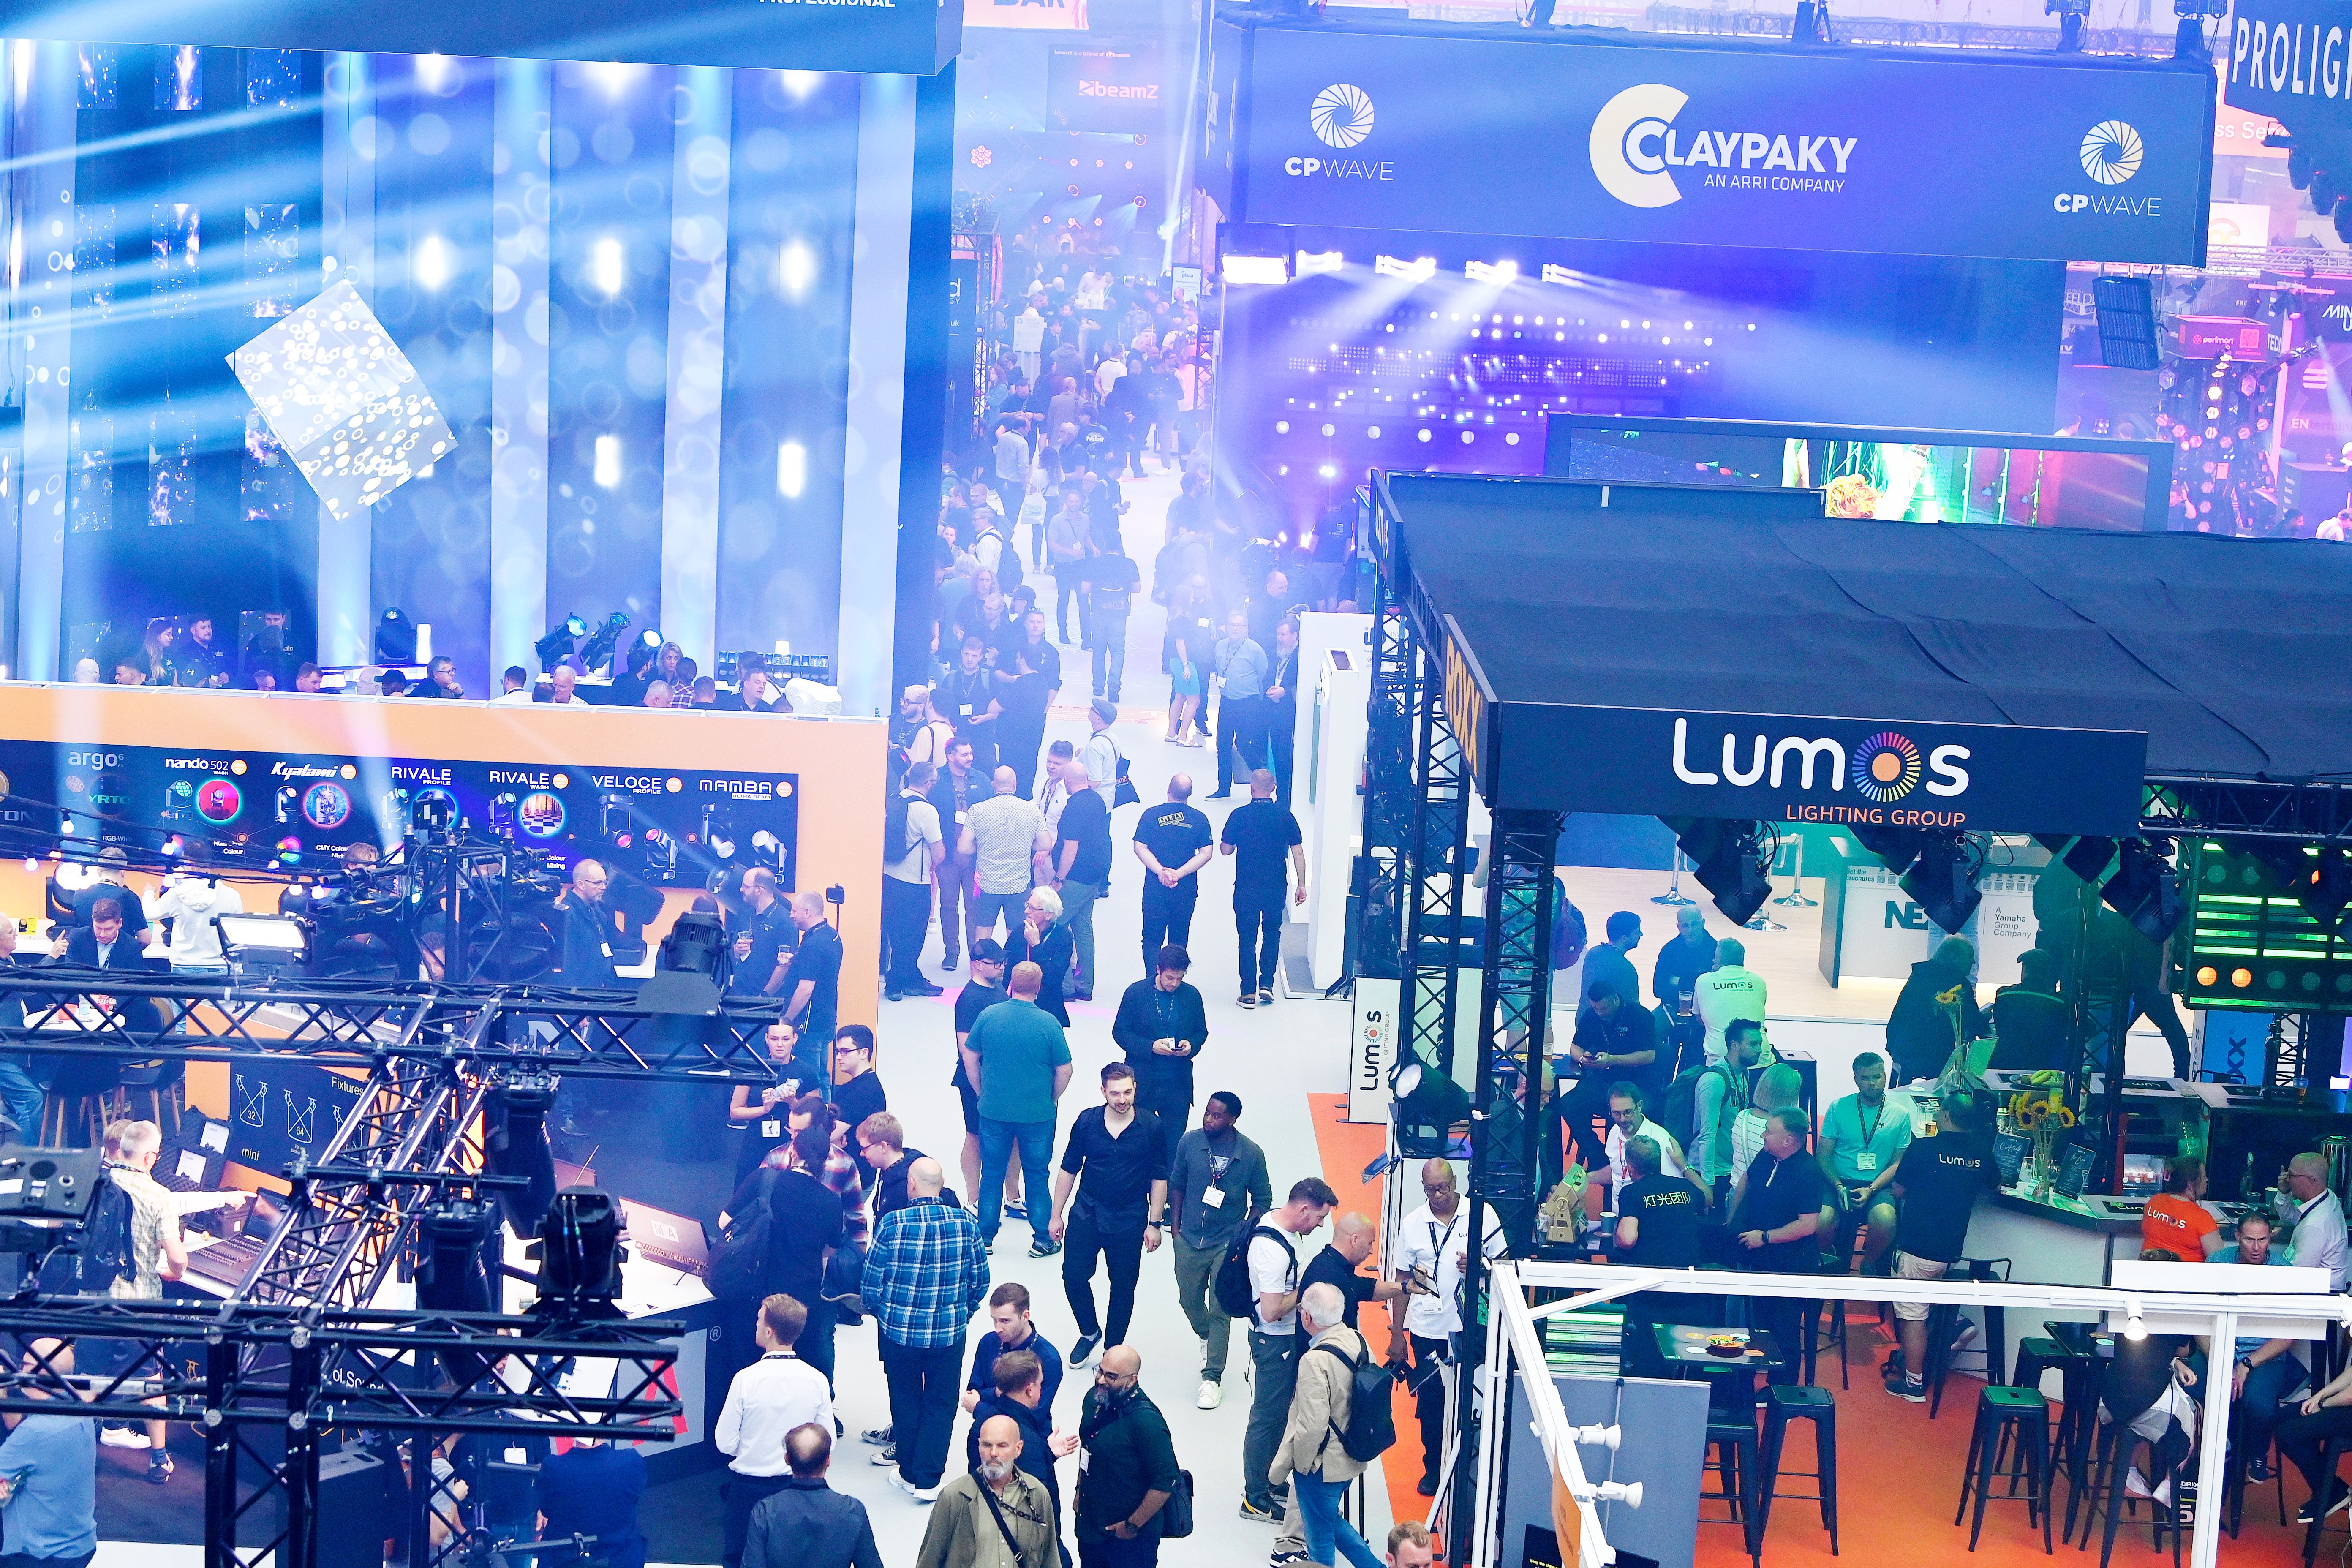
x=1389, y=797
x=2308, y=811
x=294, y=1352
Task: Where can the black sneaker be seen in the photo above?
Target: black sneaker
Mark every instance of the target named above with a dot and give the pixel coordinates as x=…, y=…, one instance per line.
x=1043, y=1246
x=1083, y=1350
x=877, y=1435
x=948, y=961
x=2258, y=1468
x=1249, y=999
x=1914, y=1389
x=894, y=996
x=1271, y=1514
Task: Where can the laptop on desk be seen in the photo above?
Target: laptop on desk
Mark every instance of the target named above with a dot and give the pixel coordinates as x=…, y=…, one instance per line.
x=674, y=1241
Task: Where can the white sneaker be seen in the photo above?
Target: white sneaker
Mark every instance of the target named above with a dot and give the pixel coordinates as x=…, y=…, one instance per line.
x=920, y=1494
x=2135, y=1485
x=1212, y=1395
x=122, y=1438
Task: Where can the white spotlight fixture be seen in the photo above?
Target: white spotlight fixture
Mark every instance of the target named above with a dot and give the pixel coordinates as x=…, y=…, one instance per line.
x=1601, y=1436
x=1256, y=270
x=1418, y=271
x=607, y=267
x=792, y=469
x=1554, y=273
x=795, y=269
x=2135, y=1327
x=1311, y=262
x=1492, y=272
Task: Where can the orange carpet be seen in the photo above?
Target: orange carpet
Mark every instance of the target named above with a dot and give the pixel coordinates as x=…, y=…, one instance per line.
x=1898, y=1472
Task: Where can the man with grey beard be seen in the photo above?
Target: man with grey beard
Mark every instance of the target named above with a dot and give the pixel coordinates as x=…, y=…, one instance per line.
x=995, y=1516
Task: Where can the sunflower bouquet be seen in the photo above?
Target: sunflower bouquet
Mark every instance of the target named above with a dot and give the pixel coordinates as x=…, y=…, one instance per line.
x=2043, y=1116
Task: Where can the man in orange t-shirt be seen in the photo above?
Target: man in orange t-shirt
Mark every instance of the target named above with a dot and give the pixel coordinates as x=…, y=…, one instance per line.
x=2175, y=1221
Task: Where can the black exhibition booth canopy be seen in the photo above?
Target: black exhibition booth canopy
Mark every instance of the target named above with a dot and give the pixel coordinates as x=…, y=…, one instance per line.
x=1670, y=651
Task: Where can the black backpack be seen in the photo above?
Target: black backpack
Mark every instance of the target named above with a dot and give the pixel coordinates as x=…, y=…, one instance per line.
x=105, y=1254
x=1235, y=1296
x=737, y=1261
x=1678, y=1111
x=894, y=827
x=1371, y=1430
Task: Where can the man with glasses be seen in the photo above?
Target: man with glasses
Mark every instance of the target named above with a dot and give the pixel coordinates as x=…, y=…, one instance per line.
x=1433, y=1252
x=1129, y=1470
x=2319, y=1240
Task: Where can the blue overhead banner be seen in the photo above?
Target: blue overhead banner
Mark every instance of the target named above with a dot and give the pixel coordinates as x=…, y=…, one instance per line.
x=1900, y=151
x=914, y=37
x=1881, y=772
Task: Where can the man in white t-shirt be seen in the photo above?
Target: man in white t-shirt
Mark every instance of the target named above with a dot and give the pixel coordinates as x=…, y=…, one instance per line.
x=907, y=887
x=1629, y=1119
x=1106, y=374
x=1431, y=1253
x=1730, y=990
x=1274, y=1338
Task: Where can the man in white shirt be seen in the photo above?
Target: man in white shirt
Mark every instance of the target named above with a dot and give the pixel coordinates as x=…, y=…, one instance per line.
x=1629, y=1119
x=907, y=887
x=1106, y=374
x=1433, y=1252
x=1012, y=457
x=1100, y=753
x=1000, y=835
x=766, y=1400
x=2319, y=1218
x=1029, y=339
x=1274, y=1340
x=1730, y=990
x=517, y=689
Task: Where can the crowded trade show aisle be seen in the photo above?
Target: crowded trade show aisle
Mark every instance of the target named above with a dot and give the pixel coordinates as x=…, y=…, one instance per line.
x=1273, y=1057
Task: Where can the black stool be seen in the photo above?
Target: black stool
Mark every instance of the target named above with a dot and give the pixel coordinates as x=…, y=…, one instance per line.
x=2109, y=1498
x=2330, y=1456
x=1943, y=1323
x=2036, y=1356
x=1799, y=1401
x=2002, y=1411
x=1732, y=1437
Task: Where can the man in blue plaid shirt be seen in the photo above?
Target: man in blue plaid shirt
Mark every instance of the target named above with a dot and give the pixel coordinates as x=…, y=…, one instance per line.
x=926, y=1278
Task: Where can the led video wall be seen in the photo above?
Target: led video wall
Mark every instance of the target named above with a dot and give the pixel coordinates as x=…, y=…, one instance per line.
x=1909, y=476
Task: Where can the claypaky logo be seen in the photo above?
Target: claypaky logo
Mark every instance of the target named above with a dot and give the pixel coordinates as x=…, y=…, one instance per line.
x=1341, y=115
x=2112, y=153
x=1626, y=155
x=1636, y=143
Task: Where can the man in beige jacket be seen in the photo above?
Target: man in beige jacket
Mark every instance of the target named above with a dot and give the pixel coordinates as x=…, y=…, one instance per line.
x=965, y=1531
x=1311, y=1451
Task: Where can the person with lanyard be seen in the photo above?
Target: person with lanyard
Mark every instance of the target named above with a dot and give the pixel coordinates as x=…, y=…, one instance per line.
x=811, y=986
x=762, y=1113
x=1129, y=1467
x=1432, y=1255
x=1161, y=1025
x=2317, y=1241
x=1629, y=1118
x=954, y=792
x=1239, y=666
x=1123, y=1150
x=1863, y=1139
x=1216, y=1181
x=1716, y=1102
x=968, y=698
x=765, y=1402
x=1271, y=1257
x=1777, y=1210
x=764, y=945
x=1616, y=1040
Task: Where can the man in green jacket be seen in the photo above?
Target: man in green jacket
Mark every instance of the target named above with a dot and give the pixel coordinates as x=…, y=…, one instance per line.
x=994, y=1517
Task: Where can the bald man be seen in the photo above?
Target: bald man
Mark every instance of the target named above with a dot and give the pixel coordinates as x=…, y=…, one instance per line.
x=812, y=987
x=964, y=1526
x=1352, y=1237
x=1001, y=838
x=807, y=1520
x=2319, y=1219
x=1128, y=1470
x=588, y=929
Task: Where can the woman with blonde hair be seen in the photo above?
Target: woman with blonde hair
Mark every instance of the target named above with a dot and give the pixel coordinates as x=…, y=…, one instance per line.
x=1778, y=1086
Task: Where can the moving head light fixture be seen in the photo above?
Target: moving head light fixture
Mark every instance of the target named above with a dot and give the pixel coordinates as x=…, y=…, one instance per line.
x=1733, y=861
x=559, y=640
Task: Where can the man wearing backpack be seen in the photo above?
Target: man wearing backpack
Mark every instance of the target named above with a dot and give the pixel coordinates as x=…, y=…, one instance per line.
x=1270, y=1261
x=1332, y=1432
x=128, y=1256
x=912, y=848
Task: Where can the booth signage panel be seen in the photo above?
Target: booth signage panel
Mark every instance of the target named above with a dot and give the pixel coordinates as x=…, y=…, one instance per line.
x=1807, y=150
x=2284, y=56
x=914, y=37
x=1781, y=768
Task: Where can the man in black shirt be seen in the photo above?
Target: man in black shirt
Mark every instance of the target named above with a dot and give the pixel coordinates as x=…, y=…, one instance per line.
x=1614, y=1042
x=967, y=698
x=804, y=1225
x=985, y=989
x=1282, y=704
x=954, y=792
x=881, y=1143
x=1042, y=656
x=1161, y=1026
x=1265, y=841
x=587, y=929
x=857, y=1089
x=1780, y=1204
x=1082, y=868
x=1173, y=841
x=767, y=937
x=812, y=988
x=1351, y=1243
x=1938, y=1182
x=1111, y=580
x=1123, y=1152
x=1657, y=1228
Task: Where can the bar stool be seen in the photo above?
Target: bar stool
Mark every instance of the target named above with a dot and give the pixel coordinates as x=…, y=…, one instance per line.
x=1943, y=1323
x=1799, y=1401
x=2109, y=1499
x=1731, y=1436
x=2330, y=1456
x=1836, y=1334
x=2036, y=1356
x=2078, y=1428
x=2002, y=1411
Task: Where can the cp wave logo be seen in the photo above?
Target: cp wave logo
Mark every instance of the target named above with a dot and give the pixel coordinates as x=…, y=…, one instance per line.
x=2112, y=153
x=1625, y=159
x=1341, y=115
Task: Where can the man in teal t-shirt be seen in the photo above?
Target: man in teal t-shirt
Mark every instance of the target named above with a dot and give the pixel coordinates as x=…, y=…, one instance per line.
x=1018, y=1060
x=1863, y=1139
